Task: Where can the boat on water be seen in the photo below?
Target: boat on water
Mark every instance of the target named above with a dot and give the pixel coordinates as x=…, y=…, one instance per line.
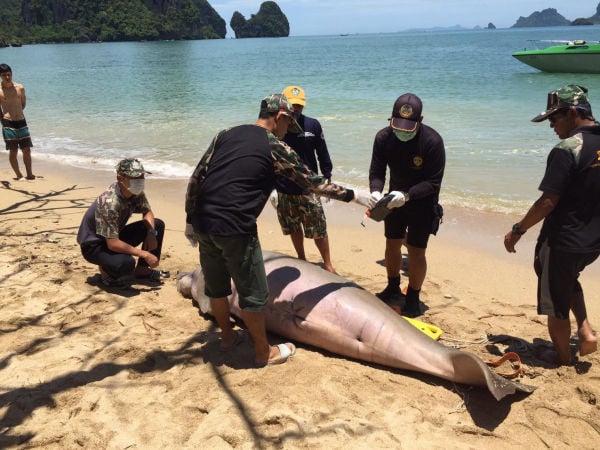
x=567, y=57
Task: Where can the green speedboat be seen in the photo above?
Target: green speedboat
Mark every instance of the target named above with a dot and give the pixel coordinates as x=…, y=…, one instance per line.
x=570, y=56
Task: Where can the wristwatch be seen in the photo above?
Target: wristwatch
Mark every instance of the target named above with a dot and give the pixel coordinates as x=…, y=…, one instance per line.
x=516, y=229
x=153, y=231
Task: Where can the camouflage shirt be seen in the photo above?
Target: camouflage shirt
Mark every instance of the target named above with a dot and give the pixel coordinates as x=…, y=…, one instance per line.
x=109, y=214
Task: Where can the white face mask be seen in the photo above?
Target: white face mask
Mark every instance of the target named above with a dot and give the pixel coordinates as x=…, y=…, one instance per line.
x=136, y=186
x=405, y=136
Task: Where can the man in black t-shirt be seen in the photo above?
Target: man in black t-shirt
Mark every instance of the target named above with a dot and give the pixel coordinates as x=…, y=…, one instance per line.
x=570, y=208
x=225, y=195
x=416, y=157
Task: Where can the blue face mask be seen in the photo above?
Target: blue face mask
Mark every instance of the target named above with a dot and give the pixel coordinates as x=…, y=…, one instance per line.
x=405, y=136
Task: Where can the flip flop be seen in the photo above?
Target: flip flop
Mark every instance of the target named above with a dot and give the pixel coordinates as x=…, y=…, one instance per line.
x=237, y=340
x=284, y=354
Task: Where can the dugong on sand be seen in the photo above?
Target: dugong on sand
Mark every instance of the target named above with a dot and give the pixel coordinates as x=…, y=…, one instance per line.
x=310, y=305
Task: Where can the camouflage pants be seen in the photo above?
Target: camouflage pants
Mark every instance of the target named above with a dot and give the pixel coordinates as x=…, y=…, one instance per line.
x=302, y=211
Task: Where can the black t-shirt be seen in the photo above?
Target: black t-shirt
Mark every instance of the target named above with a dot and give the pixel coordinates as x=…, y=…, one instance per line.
x=573, y=173
x=416, y=166
x=238, y=183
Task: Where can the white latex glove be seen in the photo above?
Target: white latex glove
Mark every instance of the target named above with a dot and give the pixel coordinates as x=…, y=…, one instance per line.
x=398, y=200
x=274, y=198
x=190, y=235
x=361, y=197
x=375, y=197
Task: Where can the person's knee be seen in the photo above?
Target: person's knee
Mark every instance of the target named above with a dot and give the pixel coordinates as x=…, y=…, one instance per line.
x=125, y=265
x=116, y=265
x=159, y=225
x=393, y=244
x=417, y=257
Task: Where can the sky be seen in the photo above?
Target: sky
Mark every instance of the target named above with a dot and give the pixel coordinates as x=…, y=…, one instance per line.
x=323, y=17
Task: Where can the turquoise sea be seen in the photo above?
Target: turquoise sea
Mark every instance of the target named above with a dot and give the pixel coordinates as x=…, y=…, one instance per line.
x=88, y=105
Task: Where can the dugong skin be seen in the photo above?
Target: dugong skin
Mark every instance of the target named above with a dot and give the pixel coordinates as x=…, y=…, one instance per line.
x=310, y=305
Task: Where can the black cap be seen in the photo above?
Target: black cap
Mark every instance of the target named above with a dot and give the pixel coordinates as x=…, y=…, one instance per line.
x=406, y=113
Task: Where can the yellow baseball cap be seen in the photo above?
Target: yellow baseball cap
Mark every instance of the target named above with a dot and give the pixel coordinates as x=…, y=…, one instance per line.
x=295, y=95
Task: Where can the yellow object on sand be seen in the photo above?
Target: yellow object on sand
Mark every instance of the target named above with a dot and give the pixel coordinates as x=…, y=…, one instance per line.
x=430, y=330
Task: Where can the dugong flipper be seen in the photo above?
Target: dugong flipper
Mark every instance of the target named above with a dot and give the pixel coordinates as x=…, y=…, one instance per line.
x=310, y=305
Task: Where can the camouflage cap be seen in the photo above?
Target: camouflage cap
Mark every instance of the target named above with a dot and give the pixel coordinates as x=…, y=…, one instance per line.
x=569, y=96
x=279, y=102
x=131, y=168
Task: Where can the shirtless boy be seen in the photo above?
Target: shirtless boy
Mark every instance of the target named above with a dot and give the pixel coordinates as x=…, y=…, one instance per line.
x=14, y=126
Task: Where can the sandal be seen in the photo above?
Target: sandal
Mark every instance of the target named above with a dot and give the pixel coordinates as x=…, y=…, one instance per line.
x=284, y=354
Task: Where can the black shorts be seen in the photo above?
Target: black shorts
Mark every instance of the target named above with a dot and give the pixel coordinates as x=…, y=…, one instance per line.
x=415, y=221
x=558, y=272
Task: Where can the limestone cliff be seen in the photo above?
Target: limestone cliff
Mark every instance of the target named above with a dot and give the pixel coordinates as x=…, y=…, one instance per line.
x=34, y=21
x=593, y=20
x=268, y=22
x=551, y=18
x=546, y=18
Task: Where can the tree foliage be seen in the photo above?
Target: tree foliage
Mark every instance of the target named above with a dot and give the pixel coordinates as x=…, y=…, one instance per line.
x=31, y=21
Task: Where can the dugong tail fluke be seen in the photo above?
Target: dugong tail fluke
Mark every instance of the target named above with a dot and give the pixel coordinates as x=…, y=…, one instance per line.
x=310, y=305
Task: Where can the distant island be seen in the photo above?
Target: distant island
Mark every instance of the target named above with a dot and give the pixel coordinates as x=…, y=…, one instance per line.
x=50, y=21
x=546, y=18
x=551, y=18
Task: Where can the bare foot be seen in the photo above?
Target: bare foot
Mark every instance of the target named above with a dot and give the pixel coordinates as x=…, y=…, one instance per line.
x=587, y=345
x=330, y=269
x=30, y=177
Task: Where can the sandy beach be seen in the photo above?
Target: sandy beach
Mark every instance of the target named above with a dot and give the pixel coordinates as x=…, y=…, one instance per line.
x=83, y=366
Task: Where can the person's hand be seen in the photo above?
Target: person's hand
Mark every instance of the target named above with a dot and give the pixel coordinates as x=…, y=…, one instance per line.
x=398, y=199
x=190, y=235
x=274, y=198
x=361, y=197
x=510, y=240
x=375, y=197
x=151, y=259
